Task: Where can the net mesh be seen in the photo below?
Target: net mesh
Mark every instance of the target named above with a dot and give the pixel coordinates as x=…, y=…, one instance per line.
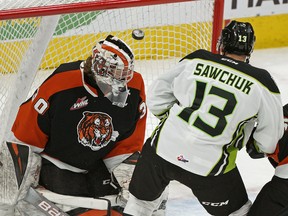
x=12, y=4
x=171, y=31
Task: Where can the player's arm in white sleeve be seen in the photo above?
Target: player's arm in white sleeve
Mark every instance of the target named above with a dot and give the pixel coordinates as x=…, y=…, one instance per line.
x=270, y=127
x=160, y=96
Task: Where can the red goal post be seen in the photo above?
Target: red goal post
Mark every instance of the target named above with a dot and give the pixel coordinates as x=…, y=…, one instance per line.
x=37, y=36
x=76, y=7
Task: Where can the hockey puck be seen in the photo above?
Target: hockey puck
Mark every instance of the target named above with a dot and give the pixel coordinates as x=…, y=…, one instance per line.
x=138, y=34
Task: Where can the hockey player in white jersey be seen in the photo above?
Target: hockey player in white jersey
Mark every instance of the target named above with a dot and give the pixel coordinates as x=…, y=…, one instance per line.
x=208, y=105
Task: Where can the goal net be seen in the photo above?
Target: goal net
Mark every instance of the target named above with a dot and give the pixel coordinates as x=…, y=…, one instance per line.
x=37, y=36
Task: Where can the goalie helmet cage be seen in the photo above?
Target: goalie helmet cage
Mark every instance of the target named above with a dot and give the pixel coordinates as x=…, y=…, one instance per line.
x=37, y=36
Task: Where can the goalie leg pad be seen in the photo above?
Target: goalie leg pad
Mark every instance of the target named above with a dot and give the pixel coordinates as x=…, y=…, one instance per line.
x=20, y=170
x=243, y=211
x=123, y=174
x=6, y=210
x=25, y=208
x=141, y=207
x=161, y=208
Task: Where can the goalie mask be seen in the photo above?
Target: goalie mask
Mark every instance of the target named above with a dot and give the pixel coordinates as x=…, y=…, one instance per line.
x=113, y=66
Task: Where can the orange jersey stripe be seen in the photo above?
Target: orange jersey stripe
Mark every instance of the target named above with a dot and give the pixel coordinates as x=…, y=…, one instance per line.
x=138, y=83
x=285, y=161
x=135, y=141
x=95, y=212
x=25, y=127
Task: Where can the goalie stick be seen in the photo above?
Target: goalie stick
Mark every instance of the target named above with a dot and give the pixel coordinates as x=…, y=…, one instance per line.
x=85, y=202
x=46, y=206
x=43, y=204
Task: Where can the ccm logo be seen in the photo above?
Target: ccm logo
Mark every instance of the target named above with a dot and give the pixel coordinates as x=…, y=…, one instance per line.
x=49, y=209
x=215, y=204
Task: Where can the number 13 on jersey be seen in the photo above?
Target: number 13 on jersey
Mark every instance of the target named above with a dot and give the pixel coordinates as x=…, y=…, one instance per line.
x=219, y=113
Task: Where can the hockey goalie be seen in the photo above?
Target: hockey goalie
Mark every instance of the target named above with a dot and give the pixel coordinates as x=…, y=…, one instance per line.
x=76, y=140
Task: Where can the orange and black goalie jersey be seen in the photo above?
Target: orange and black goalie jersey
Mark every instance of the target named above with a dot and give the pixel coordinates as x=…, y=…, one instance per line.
x=70, y=120
x=279, y=159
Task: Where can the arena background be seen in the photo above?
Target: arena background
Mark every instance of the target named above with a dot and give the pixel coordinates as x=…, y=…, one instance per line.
x=271, y=31
x=268, y=17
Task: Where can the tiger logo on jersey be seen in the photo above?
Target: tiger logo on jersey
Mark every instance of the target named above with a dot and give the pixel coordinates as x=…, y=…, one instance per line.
x=95, y=130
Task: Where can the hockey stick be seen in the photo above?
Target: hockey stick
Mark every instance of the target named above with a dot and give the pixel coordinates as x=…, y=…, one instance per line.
x=102, y=203
x=46, y=203
x=43, y=204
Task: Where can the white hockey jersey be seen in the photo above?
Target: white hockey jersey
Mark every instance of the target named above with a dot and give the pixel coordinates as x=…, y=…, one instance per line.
x=209, y=104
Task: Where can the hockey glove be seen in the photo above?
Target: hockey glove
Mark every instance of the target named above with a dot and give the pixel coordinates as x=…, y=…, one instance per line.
x=253, y=150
